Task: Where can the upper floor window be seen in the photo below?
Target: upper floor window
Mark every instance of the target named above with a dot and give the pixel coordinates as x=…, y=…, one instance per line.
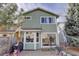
x=43, y=20
x=51, y=20
x=28, y=17
x=47, y=20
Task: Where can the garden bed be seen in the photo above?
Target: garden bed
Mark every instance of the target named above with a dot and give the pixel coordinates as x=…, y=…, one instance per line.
x=73, y=50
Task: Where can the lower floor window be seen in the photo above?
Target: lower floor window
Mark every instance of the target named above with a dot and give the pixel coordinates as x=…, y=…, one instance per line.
x=29, y=37
x=37, y=40
x=37, y=37
x=48, y=39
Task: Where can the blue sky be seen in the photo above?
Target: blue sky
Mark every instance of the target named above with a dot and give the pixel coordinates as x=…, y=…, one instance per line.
x=58, y=8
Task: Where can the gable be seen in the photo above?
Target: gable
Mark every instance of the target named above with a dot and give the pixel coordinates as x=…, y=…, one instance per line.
x=42, y=10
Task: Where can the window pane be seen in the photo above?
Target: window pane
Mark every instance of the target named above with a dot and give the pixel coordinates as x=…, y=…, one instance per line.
x=27, y=17
x=51, y=20
x=43, y=20
x=37, y=35
x=37, y=40
x=29, y=37
x=26, y=32
x=48, y=39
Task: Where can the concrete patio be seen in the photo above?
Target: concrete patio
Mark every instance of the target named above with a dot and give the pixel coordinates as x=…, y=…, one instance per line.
x=42, y=53
x=38, y=53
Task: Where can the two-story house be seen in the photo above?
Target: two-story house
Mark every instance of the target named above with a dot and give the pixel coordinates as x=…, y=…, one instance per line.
x=39, y=29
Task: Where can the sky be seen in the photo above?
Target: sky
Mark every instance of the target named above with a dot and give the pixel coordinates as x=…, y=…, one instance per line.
x=57, y=8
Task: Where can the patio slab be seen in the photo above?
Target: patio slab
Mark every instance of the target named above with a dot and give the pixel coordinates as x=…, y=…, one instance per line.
x=38, y=53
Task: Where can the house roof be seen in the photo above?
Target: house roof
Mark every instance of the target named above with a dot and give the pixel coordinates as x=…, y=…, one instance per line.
x=41, y=9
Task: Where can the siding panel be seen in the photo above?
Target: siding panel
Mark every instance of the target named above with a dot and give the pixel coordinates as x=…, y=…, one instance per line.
x=35, y=22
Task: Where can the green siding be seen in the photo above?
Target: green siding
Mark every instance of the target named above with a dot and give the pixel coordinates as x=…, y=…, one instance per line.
x=35, y=22
x=49, y=28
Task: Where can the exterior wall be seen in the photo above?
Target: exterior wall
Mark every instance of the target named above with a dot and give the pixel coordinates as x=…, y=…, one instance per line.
x=30, y=46
x=49, y=28
x=35, y=22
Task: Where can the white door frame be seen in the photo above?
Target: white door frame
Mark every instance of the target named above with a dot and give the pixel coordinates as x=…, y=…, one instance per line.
x=34, y=40
x=57, y=41
x=24, y=40
x=29, y=42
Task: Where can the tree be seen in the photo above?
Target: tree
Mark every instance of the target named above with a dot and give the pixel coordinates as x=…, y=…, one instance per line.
x=72, y=24
x=8, y=14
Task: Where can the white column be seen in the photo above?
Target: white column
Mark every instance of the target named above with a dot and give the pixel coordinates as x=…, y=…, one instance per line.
x=41, y=39
x=13, y=38
x=24, y=40
x=57, y=40
x=34, y=40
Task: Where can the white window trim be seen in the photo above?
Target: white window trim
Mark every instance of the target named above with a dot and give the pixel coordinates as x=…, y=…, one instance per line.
x=47, y=17
x=49, y=33
x=30, y=17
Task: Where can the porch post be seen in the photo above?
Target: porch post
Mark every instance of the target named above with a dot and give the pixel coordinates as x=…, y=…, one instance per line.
x=57, y=40
x=34, y=40
x=13, y=39
x=41, y=39
x=24, y=40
